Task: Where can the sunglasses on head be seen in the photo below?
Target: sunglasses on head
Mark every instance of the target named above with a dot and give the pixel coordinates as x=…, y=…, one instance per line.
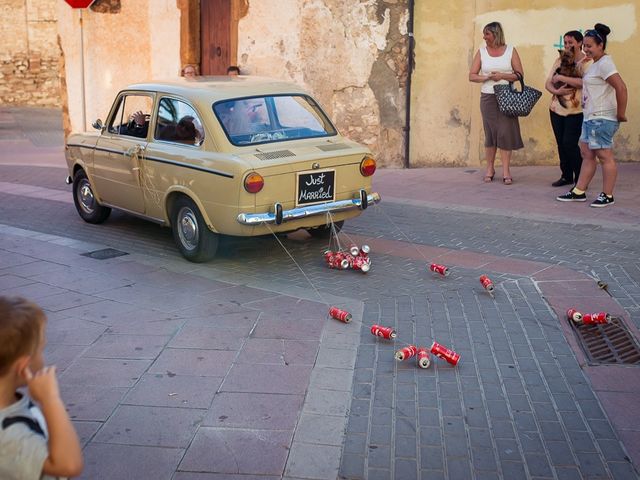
x=593, y=33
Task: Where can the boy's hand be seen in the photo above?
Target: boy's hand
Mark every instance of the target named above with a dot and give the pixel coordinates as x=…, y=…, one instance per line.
x=42, y=385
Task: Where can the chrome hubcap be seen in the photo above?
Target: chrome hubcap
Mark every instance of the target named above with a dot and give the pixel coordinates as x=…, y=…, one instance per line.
x=188, y=228
x=85, y=196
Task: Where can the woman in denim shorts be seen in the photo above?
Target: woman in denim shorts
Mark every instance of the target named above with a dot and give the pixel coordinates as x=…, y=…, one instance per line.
x=604, y=99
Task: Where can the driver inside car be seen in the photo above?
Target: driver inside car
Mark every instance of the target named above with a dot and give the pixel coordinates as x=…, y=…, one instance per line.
x=138, y=125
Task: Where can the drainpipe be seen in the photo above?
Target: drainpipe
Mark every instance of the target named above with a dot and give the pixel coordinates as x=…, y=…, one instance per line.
x=410, y=65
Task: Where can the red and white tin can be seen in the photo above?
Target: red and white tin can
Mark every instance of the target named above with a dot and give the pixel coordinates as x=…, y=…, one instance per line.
x=593, y=318
x=383, y=332
x=487, y=284
x=444, y=353
x=328, y=257
x=406, y=352
x=441, y=269
x=361, y=263
x=354, y=250
x=341, y=315
x=365, y=249
x=424, y=359
x=573, y=314
x=366, y=265
x=345, y=260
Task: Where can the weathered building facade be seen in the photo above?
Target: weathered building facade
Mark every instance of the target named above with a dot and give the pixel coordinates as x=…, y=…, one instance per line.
x=29, y=53
x=353, y=55
x=446, y=126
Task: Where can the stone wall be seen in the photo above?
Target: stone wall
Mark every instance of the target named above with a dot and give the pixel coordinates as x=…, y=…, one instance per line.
x=29, y=53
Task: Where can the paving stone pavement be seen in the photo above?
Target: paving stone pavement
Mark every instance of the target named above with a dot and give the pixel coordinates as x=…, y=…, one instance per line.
x=276, y=390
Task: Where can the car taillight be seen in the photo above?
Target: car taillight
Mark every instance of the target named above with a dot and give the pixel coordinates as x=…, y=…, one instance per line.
x=253, y=182
x=367, y=166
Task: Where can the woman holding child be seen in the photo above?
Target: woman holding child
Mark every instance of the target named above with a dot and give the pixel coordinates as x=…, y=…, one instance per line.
x=566, y=105
x=494, y=64
x=604, y=100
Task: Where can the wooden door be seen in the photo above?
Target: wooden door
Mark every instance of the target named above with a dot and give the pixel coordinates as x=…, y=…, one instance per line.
x=215, y=32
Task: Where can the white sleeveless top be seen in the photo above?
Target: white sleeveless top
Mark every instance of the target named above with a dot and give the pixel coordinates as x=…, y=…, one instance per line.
x=490, y=64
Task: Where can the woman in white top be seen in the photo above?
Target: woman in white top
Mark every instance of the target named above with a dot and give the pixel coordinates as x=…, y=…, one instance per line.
x=494, y=64
x=604, y=101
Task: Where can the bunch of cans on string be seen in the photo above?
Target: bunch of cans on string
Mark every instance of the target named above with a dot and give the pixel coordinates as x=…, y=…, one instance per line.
x=588, y=318
x=356, y=258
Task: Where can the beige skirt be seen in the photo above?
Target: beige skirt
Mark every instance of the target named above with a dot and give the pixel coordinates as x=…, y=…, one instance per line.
x=499, y=130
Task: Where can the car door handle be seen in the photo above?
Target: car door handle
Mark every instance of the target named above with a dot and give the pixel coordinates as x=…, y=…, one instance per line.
x=135, y=150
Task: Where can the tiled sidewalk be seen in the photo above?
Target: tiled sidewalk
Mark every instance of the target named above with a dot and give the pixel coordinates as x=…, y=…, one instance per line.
x=167, y=372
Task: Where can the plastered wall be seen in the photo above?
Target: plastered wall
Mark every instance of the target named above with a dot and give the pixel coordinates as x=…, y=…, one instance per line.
x=446, y=127
x=351, y=55
x=105, y=51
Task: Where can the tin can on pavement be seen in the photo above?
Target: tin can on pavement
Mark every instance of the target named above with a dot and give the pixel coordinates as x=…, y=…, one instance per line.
x=341, y=315
x=366, y=266
x=594, y=318
x=346, y=260
x=441, y=269
x=406, y=352
x=383, y=332
x=365, y=249
x=487, y=284
x=354, y=250
x=328, y=257
x=573, y=314
x=444, y=353
x=424, y=359
x=361, y=263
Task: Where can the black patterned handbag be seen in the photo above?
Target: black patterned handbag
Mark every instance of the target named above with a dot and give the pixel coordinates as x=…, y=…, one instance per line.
x=514, y=103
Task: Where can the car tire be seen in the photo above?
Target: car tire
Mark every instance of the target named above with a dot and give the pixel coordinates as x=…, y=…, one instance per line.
x=324, y=231
x=85, y=201
x=192, y=235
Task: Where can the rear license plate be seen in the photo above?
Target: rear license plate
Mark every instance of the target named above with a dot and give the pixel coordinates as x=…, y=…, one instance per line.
x=316, y=187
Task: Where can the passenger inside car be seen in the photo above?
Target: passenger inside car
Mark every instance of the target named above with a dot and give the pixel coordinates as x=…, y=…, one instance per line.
x=185, y=131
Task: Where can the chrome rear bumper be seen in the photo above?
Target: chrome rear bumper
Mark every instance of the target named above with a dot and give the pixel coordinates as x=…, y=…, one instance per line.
x=280, y=216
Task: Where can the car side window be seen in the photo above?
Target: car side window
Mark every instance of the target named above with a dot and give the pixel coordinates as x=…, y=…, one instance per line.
x=132, y=116
x=178, y=122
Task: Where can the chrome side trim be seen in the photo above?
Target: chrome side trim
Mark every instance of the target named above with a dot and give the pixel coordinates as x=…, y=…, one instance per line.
x=302, y=212
x=186, y=165
x=159, y=221
x=156, y=159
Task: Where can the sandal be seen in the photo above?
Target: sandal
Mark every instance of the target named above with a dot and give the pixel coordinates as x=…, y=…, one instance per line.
x=507, y=180
x=488, y=178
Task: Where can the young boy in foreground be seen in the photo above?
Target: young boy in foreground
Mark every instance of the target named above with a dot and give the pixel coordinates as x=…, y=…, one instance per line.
x=35, y=442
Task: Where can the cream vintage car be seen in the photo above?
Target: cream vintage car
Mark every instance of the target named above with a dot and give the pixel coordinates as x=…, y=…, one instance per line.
x=207, y=156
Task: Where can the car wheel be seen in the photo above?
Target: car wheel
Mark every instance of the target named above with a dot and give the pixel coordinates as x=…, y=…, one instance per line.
x=324, y=231
x=86, y=204
x=192, y=235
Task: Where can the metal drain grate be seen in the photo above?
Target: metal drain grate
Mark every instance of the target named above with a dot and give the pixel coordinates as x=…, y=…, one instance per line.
x=104, y=254
x=610, y=343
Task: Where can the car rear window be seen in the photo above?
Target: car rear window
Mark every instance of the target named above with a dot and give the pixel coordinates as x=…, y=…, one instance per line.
x=257, y=120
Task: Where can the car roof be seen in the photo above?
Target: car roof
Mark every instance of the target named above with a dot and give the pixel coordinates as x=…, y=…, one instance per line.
x=213, y=89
